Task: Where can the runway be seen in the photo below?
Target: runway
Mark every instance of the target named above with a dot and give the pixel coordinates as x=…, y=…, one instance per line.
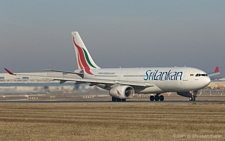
x=110, y=102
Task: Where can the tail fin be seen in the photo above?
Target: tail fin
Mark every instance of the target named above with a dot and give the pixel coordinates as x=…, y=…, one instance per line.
x=217, y=69
x=84, y=59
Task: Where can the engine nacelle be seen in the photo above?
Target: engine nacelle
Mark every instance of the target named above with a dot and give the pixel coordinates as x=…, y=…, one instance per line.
x=122, y=92
x=194, y=93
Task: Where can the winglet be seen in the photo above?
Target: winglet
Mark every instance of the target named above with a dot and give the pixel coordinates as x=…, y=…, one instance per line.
x=217, y=69
x=11, y=73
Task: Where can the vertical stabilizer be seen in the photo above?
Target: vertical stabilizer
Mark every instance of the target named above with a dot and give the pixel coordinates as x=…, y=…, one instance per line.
x=84, y=59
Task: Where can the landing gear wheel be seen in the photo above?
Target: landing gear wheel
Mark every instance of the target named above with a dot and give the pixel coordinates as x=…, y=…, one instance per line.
x=114, y=99
x=123, y=100
x=161, y=98
x=192, y=98
x=118, y=99
x=152, y=98
x=156, y=98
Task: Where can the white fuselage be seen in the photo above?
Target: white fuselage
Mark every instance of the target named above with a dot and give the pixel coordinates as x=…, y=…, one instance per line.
x=165, y=79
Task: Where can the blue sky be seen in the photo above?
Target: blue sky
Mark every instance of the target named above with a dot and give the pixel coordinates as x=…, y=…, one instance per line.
x=36, y=35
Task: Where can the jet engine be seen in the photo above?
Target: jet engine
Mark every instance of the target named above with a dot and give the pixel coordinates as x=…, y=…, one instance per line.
x=191, y=94
x=122, y=92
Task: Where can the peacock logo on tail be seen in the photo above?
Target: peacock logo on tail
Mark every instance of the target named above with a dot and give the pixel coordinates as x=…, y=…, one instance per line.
x=84, y=60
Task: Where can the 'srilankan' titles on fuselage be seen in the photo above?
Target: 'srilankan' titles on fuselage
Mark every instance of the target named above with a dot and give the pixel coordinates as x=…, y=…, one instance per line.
x=163, y=75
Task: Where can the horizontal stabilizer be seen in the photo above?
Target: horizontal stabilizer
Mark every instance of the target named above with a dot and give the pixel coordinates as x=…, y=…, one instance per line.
x=10, y=72
x=216, y=72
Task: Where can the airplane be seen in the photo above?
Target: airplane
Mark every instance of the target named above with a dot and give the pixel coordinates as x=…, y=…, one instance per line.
x=124, y=83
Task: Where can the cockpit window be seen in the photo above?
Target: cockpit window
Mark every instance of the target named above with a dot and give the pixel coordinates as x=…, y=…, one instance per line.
x=197, y=75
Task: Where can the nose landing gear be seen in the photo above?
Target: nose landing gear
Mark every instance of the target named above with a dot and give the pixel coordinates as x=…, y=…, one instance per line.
x=192, y=98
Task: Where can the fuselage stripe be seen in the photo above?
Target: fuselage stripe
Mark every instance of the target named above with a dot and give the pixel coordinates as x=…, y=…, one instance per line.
x=87, y=59
x=79, y=62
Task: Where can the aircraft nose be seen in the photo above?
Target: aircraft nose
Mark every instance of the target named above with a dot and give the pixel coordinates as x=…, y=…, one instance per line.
x=204, y=82
x=207, y=81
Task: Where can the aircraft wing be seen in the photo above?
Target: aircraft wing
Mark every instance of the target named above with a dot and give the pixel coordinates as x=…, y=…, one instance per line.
x=83, y=80
x=77, y=73
x=216, y=72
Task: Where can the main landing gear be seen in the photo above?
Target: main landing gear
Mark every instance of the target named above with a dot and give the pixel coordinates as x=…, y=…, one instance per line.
x=157, y=97
x=114, y=99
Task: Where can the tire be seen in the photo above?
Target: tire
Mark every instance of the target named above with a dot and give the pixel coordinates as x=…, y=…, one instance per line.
x=161, y=98
x=113, y=99
x=118, y=99
x=192, y=98
x=156, y=98
x=152, y=98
